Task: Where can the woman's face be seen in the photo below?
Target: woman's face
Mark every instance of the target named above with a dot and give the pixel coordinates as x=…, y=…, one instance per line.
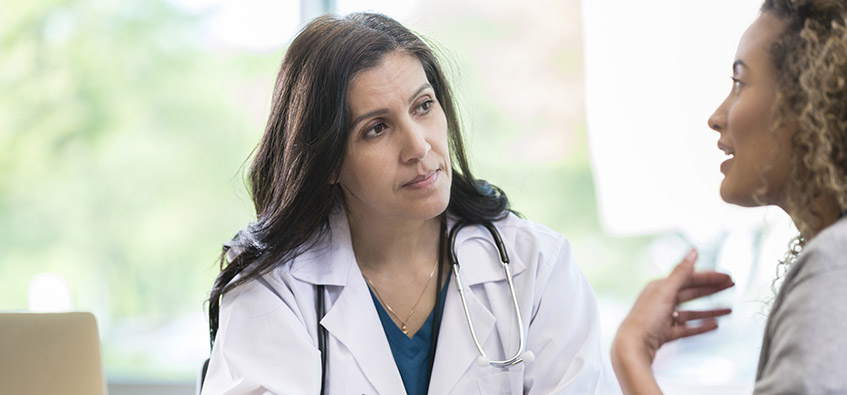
x=758, y=157
x=397, y=165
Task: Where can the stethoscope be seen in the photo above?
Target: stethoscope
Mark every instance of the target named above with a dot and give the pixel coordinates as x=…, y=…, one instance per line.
x=521, y=355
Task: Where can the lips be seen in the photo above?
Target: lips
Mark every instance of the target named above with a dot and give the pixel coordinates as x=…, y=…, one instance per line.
x=726, y=165
x=422, y=180
x=728, y=150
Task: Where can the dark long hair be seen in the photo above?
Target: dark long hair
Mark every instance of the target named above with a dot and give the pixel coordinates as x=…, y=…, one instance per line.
x=305, y=139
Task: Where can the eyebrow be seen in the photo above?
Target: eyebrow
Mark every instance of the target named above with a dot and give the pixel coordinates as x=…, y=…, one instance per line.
x=418, y=92
x=737, y=64
x=384, y=111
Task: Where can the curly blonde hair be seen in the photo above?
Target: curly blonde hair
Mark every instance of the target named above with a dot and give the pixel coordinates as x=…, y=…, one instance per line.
x=810, y=60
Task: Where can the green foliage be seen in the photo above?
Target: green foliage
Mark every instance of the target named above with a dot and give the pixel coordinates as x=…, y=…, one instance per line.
x=121, y=137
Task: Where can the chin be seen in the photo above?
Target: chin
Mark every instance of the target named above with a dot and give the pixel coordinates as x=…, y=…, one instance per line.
x=437, y=206
x=733, y=195
x=441, y=206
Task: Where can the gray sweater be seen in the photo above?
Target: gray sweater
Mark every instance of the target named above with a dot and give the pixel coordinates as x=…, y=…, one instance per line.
x=804, y=350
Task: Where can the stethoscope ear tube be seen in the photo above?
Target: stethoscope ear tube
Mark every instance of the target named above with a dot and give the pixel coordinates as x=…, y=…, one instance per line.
x=495, y=235
x=454, y=259
x=322, y=334
x=498, y=241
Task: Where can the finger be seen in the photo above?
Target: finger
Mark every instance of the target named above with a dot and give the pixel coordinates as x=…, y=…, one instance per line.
x=709, y=278
x=681, y=331
x=683, y=270
x=685, y=316
x=693, y=293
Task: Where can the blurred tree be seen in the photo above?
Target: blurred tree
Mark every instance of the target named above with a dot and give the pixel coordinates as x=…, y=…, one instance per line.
x=121, y=134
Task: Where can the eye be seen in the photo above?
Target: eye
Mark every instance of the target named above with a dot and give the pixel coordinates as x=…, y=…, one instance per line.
x=736, y=83
x=374, y=131
x=426, y=106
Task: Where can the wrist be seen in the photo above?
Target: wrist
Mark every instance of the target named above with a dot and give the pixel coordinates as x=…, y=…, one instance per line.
x=631, y=361
x=628, y=352
x=630, y=347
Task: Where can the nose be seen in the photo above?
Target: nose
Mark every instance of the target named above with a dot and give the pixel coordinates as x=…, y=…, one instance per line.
x=415, y=144
x=717, y=121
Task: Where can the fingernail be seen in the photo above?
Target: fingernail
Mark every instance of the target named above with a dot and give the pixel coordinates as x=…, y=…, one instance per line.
x=692, y=255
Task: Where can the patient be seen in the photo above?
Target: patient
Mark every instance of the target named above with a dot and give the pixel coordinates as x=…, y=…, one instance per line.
x=784, y=126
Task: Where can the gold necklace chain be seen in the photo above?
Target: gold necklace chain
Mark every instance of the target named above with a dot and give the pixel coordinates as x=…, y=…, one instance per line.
x=390, y=310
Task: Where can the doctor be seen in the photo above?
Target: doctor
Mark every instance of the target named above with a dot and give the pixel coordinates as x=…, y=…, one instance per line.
x=343, y=284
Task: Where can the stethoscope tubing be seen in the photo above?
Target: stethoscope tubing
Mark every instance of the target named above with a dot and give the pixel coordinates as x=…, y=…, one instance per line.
x=504, y=259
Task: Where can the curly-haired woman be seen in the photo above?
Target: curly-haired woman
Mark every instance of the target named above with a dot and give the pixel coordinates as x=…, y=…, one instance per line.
x=784, y=126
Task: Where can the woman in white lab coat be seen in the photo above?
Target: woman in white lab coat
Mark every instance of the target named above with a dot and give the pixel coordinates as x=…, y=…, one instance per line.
x=342, y=284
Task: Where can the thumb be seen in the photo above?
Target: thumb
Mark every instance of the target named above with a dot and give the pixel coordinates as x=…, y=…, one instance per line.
x=683, y=270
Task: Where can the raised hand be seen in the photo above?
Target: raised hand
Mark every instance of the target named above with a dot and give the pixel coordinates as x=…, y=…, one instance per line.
x=655, y=320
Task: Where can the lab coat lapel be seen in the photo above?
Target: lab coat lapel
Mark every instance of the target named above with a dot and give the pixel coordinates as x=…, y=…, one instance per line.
x=479, y=263
x=353, y=320
x=456, y=353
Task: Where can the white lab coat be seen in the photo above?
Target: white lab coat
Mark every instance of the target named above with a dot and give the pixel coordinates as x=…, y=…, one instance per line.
x=267, y=342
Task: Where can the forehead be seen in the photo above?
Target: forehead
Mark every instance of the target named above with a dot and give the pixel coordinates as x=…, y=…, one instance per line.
x=756, y=41
x=395, y=78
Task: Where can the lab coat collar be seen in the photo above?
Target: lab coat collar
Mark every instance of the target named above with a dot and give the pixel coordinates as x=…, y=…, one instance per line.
x=477, y=251
x=330, y=261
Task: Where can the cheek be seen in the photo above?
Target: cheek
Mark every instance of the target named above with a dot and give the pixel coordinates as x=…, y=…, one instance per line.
x=355, y=169
x=345, y=175
x=364, y=169
x=750, y=127
x=441, y=136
